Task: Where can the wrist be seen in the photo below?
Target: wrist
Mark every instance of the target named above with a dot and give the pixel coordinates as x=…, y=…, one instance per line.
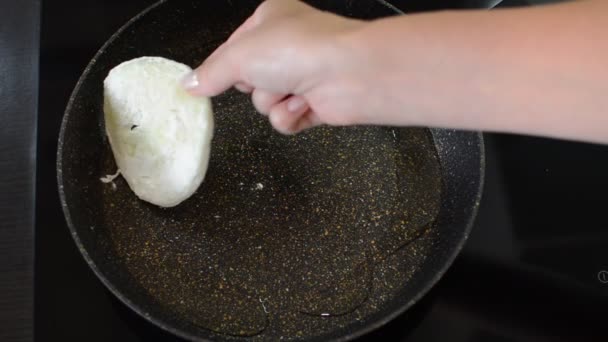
x=369, y=67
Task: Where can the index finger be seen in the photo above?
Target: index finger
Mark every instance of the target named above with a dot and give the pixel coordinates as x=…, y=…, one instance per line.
x=204, y=80
x=217, y=73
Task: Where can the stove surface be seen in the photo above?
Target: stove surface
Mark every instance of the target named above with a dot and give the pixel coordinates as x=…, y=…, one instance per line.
x=535, y=267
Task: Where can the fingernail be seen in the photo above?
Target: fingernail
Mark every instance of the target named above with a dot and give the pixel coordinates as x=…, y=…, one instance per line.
x=296, y=104
x=190, y=81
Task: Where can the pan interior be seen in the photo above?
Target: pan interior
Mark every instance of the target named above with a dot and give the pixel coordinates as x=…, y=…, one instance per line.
x=285, y=233
x=295, y=236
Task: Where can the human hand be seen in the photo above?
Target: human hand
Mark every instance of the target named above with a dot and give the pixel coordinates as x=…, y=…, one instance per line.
x=455, y=69
x=295, y=61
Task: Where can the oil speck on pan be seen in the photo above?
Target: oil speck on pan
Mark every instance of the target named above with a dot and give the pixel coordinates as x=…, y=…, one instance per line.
x=285, y=233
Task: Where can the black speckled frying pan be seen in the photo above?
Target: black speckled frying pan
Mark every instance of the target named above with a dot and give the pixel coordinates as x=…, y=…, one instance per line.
x=324, y=235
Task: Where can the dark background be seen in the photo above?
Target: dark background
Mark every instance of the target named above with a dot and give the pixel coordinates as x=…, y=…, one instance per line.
x=19, y=29
x=531, y=271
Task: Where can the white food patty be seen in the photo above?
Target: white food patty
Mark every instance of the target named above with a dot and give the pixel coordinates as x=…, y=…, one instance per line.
x=160, y=135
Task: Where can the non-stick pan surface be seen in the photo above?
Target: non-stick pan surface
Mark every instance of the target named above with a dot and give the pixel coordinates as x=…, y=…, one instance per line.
x=323, y=235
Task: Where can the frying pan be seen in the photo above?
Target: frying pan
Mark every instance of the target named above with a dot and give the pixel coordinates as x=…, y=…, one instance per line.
x=325, y=235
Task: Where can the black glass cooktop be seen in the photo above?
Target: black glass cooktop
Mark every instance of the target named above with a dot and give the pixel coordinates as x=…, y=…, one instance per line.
x=534, y=269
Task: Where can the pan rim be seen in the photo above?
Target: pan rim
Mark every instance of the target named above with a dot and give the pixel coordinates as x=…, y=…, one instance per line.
x=450, y=260
x=62, y=197
x=358, y=332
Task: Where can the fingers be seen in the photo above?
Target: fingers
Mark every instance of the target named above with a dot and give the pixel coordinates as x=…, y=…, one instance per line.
x=217, y=73
x=222, y=69
x=264, y=100
x=246, y=26
x=243, y=87
x=292, y=116
x=279, y=8
x=266, y=10
x=206, y=81
x=287, y=115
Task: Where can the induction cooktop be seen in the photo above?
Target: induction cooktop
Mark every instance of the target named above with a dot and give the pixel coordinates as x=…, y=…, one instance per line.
x=535, y=267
